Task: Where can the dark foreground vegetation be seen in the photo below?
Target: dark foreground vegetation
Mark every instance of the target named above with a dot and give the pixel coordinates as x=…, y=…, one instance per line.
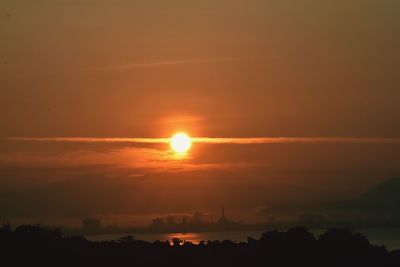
x=36, y=246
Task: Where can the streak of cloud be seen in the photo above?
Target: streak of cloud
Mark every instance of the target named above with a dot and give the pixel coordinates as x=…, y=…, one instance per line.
x=305, y=140
x=163, y=63
x=92, y=140
x=221, y=140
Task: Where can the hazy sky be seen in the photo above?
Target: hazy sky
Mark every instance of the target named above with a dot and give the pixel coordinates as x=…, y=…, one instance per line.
x=218, y=69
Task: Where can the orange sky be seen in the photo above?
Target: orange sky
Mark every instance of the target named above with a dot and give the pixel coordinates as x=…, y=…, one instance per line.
x=218, y=69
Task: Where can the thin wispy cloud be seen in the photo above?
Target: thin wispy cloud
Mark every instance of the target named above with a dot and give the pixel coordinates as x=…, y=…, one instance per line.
x=220, y=140
x=92, y=140
x=310, y=140
x=163, y=63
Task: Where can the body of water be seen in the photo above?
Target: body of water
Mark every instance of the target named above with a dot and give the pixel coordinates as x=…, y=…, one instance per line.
x=387, y=237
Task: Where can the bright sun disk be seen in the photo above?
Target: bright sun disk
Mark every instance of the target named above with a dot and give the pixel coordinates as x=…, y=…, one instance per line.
x=181, y=143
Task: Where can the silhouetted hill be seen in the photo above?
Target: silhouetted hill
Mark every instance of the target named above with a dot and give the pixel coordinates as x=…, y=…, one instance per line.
x=383, y=198
x=380, y=202
x=386, y=193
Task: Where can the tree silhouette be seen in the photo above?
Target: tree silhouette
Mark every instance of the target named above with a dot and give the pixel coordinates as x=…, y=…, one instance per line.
x=35, y=245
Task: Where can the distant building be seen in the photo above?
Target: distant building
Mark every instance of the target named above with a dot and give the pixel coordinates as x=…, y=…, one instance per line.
x=170, y=221
x=222, y=220
x=198, y=217
x=157, y=224
x=91, y=225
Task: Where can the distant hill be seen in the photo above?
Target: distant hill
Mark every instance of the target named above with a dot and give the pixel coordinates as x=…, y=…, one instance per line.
x=386, y=193
x=382, y=199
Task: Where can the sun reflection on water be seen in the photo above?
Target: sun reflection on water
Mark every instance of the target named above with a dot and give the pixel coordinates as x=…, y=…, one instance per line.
x=184, y=237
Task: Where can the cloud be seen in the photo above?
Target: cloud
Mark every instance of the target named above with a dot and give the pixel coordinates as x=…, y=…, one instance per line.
x=163, y=63
x=92, y=140
x=141, y=159
x=220, y=140
x=305, y=140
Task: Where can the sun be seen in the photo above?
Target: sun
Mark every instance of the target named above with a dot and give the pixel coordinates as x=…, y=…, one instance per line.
x=181, y=143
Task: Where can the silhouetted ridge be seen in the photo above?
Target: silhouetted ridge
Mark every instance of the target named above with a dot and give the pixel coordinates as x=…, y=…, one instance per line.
x=386, y=192
x=383, y=199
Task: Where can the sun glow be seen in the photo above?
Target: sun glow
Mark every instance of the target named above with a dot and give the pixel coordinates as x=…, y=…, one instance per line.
x=180, y=143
